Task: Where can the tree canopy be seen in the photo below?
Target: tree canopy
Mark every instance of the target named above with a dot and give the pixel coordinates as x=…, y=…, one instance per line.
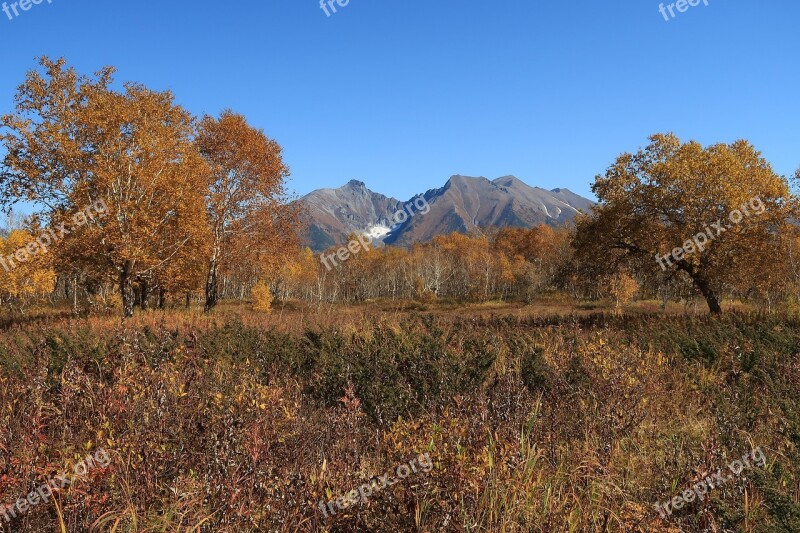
x=717, y=215
x=174, y=189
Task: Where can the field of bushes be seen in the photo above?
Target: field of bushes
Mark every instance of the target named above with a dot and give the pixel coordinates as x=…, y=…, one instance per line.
x=562, y=423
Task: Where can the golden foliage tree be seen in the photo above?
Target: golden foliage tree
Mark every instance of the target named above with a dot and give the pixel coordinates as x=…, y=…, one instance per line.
x=262, y=297
x=74, y=142
x=539, y=254
x=24, y=274
x=298, y=274
x=244, y=197
x=655, y=201
x=621, y=287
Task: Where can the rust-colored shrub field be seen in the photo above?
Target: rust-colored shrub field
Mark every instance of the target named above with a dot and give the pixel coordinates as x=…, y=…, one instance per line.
x=533, y=424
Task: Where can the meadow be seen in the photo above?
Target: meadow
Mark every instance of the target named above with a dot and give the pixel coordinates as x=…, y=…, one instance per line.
x=200, y=331
x=534, y=418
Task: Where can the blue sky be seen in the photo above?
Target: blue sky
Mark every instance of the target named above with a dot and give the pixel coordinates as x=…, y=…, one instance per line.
x=403, y=94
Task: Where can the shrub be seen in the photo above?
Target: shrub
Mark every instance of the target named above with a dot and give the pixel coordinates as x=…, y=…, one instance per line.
x=534, y=424
x=262, y=297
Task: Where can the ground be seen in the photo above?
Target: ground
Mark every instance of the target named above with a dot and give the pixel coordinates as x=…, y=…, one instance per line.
x=408, y=417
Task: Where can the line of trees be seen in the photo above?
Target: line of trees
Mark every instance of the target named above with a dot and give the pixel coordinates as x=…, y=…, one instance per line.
x=189, y=200
x=198, y=206
x=513, y=263
x=650, y=204
x=523, y=265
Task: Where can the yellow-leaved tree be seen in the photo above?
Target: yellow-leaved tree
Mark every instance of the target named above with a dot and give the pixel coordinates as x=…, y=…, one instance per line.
x=74, y=142
x=657, y=204
x=23, y=275
x=262, y=297
x=245, y=200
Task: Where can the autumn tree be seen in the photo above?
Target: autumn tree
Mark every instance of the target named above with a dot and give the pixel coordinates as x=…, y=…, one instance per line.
x=545, y=252
x=299, y=274
x=262, y=297
x=26, y=268
x=792, y=270
x=714, y=214
x=186, y=273
x=248, y=217
x=621, y=287
x=74, y=141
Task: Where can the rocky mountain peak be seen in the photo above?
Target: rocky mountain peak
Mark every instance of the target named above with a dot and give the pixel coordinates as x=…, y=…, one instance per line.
x=464, y=204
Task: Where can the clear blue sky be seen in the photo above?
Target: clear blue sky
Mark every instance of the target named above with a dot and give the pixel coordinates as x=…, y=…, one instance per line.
x=403, y=94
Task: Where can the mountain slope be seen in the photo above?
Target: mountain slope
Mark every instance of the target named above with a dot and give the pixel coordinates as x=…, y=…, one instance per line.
x=464, y=204
x=333, y=214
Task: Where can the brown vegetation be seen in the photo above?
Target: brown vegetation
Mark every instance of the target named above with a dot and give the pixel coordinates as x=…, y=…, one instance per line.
x=484, y=351
x=533, y=424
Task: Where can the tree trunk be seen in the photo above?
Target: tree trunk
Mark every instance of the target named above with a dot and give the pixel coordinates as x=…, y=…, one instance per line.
x=162, y=298
x=126, y=289
x=212, y=286
x=212, y=282
x=702, y=283
x=188, y=299
x=708, y=293
x=144, y=294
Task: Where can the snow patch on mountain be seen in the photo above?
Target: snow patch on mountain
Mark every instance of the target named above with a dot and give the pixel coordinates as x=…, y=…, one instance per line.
x=378, y=231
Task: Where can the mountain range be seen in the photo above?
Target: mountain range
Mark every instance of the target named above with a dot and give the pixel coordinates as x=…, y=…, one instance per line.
x=464, y=204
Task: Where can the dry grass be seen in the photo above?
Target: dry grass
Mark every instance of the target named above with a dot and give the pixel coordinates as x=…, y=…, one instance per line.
x=240, y=421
